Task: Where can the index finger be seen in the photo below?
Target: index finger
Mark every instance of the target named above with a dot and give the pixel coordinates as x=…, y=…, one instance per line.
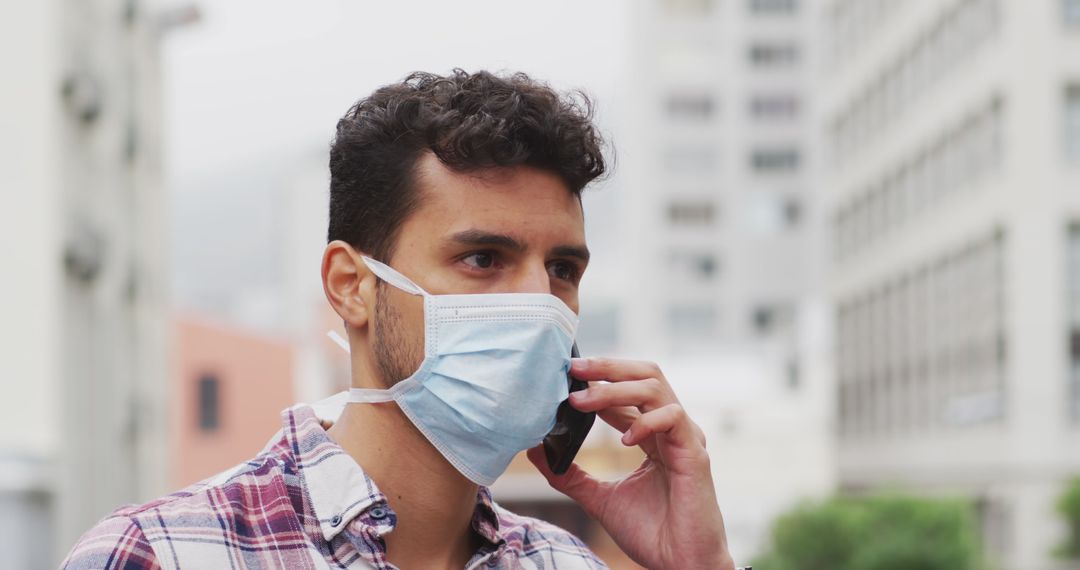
x=613, y=369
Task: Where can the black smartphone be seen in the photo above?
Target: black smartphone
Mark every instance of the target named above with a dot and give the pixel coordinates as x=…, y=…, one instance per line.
x=571, y=426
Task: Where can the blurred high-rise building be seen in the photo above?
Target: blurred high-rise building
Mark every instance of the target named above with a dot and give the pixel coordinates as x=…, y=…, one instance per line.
x=722, y=255
x=717, y=169
x=953, y=131
x=82, y=333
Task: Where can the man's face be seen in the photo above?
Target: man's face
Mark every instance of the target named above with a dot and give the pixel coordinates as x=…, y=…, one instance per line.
x=516, y=230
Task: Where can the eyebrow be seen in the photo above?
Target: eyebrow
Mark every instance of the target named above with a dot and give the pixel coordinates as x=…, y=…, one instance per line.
x=579, y=251
x=482, y=238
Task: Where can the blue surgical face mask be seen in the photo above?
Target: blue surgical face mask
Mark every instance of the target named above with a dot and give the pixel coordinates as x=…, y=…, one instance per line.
x=493, y=374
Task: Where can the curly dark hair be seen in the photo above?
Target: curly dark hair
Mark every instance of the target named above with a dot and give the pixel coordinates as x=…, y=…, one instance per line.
x=470, y=121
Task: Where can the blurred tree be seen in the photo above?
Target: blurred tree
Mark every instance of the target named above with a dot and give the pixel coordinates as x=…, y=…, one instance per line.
x=1069, y=508
x=875, y=533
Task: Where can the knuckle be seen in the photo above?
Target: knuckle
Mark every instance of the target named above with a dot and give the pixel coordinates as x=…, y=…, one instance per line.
x=598, y=391
x=653, y=387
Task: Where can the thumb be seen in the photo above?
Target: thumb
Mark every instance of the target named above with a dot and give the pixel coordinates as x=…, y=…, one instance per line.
x=576, y=483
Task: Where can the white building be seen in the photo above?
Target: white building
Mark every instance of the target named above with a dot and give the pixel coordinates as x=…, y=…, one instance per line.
x=82, y=347
x=723, y=253
x=716, y=170
x=770, y=446
x=954, y=137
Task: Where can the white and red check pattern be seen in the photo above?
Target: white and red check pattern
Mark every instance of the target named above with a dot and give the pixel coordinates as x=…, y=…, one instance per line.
x=301, y=503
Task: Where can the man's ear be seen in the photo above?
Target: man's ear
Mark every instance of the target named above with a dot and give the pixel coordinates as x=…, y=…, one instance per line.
x=348, y=283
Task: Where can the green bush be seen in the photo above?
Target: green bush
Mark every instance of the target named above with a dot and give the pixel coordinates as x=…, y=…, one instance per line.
x=875, y=533
x=1069, y=508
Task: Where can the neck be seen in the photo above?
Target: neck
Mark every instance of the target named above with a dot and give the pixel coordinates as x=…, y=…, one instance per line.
x=434, y=503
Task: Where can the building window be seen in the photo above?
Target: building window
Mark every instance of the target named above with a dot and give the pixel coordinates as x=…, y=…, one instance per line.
x=773, y=161
x=773, y=55
x=1072, y=122
x=792, y=212
x=1074, y=370
x=943, y=45
x=1073, y=251
x=774, y=107
x=929, y=344
x=690, y=105
x=963, y=155
x=769, y=318
x=793, y=373
x=209, y=403
x=769, y=213
x=692, y=321
x=1071, y=11
x=690, y=159
x=700, y=267
x=691, y=213
x=773, y=6
x=688, y=7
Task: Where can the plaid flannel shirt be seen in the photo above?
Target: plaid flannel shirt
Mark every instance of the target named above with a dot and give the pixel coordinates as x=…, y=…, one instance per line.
x=301, y=503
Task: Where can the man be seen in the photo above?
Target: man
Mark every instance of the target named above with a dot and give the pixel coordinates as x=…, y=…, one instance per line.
x=456, y=247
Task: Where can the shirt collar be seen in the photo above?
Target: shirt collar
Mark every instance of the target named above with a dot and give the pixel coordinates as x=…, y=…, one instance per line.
x=485, y=520
x=340, y=491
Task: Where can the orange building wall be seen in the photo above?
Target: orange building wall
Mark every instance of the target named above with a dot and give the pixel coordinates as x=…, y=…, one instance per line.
x=255, y=376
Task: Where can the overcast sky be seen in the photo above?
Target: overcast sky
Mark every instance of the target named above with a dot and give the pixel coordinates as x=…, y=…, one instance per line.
x=258, y=76
x=256, y=87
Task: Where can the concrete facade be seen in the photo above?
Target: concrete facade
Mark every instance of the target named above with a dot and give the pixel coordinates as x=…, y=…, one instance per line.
x=717, y=163
x=951, y=194
x=81, y=223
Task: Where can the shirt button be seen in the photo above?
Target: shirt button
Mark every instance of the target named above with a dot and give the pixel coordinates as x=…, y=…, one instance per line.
x=379, y=513
x=336, y=520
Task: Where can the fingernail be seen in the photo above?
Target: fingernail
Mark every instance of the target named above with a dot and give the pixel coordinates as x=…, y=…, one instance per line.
x=579, y=363
x=626, y=438
x=579, y=395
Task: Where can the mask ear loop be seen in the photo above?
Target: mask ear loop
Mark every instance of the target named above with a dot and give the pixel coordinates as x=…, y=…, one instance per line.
x=339, y=340
x=391, y=276
x=370, y=395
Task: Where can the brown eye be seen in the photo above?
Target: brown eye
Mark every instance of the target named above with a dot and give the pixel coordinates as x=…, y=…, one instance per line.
x=564, y=271
x=480, y=260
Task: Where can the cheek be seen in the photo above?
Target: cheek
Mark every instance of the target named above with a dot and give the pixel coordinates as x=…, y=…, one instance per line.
x=402, y=312
x=412, y=315
x=571, y=301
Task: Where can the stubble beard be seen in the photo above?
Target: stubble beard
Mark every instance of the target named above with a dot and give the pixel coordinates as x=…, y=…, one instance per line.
x=396, y=356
